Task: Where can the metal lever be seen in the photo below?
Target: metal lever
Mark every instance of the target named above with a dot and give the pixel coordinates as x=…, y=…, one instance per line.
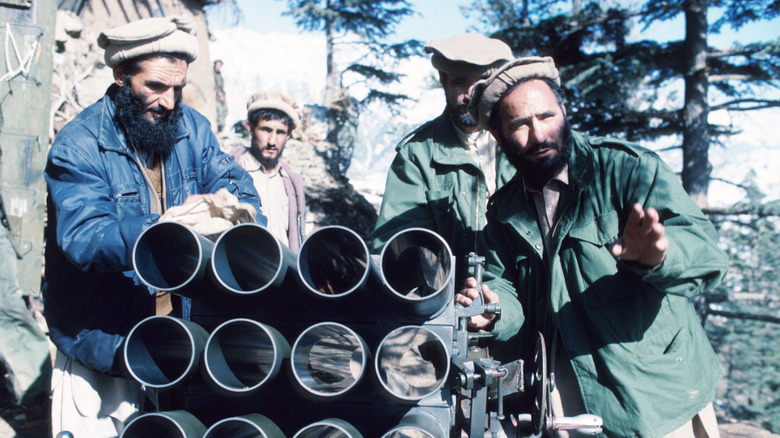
x=585, y=424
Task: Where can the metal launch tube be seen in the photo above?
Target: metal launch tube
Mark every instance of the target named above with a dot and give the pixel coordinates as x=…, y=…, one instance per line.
x=329, y=428
x=248, y=259
x=171, y=257
x=245, y=426
x=241, y=355
x=163, y=351
x=328, y=359
x=417, y=425
x=412, y=363
x=334, y=262
x=417, y=269
x=169, y=424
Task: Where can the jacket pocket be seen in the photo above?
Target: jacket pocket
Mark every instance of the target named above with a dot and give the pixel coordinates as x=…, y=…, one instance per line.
x=127, y=199
x=667, y=342
x=440, y=199
x=600, y=230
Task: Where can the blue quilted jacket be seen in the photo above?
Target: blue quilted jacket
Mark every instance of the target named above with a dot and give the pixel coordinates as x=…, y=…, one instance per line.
x=98, y=205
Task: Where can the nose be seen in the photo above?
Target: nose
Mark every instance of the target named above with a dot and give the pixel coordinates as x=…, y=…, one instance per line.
x=167, y=99
x=537, y=133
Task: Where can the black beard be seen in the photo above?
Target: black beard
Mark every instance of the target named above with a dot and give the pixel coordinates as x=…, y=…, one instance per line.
x=463, y=119
x=539, y=173
x=268, y=163
x=154, y=137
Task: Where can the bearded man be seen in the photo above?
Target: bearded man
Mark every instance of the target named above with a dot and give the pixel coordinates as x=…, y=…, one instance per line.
x=272, y=117
x=445, y=171
x=596, y=245
x=111, y=172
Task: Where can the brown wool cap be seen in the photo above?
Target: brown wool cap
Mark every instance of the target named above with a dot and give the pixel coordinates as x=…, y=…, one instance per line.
x=468, y=54
x=276, y=101
x=487, y=92
x=149, y=36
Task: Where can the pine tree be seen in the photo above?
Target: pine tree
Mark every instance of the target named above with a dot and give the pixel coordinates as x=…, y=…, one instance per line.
x=617, y=86
x=364, y=24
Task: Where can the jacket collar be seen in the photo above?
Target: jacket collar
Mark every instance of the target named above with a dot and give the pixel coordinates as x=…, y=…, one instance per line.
x=453, y=154
x=112, y=135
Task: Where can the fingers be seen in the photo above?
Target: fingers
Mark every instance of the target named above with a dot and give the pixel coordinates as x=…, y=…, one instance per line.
x=469, y=293
x=636, y=216
x=490, y=296
x=618, y=248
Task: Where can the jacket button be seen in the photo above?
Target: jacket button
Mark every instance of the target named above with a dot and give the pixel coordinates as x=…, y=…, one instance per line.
x=538, y=246
x=527, y=232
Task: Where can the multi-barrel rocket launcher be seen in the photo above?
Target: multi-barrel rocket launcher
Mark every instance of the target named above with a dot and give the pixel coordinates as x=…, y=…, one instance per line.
x=329, y=341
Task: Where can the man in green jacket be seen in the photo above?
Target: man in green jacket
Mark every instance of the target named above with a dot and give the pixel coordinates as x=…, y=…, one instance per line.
x=596, y=245
x=447, y=168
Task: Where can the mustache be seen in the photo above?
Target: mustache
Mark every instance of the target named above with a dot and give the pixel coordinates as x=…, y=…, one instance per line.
x=547, y=144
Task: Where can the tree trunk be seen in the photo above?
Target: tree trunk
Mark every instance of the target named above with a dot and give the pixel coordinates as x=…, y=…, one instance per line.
x=331, y=83
x=332, y=93
x=696, y=136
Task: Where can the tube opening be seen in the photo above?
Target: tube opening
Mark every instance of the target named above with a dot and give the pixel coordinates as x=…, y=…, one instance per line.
x=328, y=359
x=333, y=262
x=167, y=256
x=247, y=259
x=242, y=355
x=416, y=264
x=160, y=352
x=412, y=363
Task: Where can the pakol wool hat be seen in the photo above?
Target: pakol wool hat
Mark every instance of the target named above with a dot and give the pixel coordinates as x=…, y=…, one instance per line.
x=487, y=92
x=149, y=36
x=468, y=54
x=276, y=101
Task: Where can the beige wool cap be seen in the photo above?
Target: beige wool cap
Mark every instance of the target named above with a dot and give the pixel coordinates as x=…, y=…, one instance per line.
x=487, y=92
x=149, y=36
x=468, y=54
x=276, y=101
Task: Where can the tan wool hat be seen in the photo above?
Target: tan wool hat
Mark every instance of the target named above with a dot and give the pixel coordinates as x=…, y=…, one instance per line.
x=487, y=92
x=276, y=101
x=468, y=54
x=149, y=36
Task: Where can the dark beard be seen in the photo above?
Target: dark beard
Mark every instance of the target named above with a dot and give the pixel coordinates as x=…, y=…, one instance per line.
x=268, y=163
x=539, y=173
x=465, y=119
x=159, y=137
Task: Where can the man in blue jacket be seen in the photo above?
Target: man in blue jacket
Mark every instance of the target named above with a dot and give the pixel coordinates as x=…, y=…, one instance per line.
x=111, y=173
x=595, y=244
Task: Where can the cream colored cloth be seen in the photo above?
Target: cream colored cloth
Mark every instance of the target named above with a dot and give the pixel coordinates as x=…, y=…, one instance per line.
x=270, y=187
x=90, y=404
x=149, y=36
x=482, y=149
x=468, y=54
x=276, y=101
x=212, y=213
x=487, y=92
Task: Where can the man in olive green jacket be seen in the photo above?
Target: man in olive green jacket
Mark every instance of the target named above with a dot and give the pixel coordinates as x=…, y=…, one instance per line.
x=446, y=169
x=596, y=245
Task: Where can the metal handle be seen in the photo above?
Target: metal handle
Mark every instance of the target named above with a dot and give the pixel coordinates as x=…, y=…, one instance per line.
x=585, y=424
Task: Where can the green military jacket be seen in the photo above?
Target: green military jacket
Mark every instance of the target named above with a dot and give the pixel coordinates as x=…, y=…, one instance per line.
x=433, y=183
x=641, y=357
